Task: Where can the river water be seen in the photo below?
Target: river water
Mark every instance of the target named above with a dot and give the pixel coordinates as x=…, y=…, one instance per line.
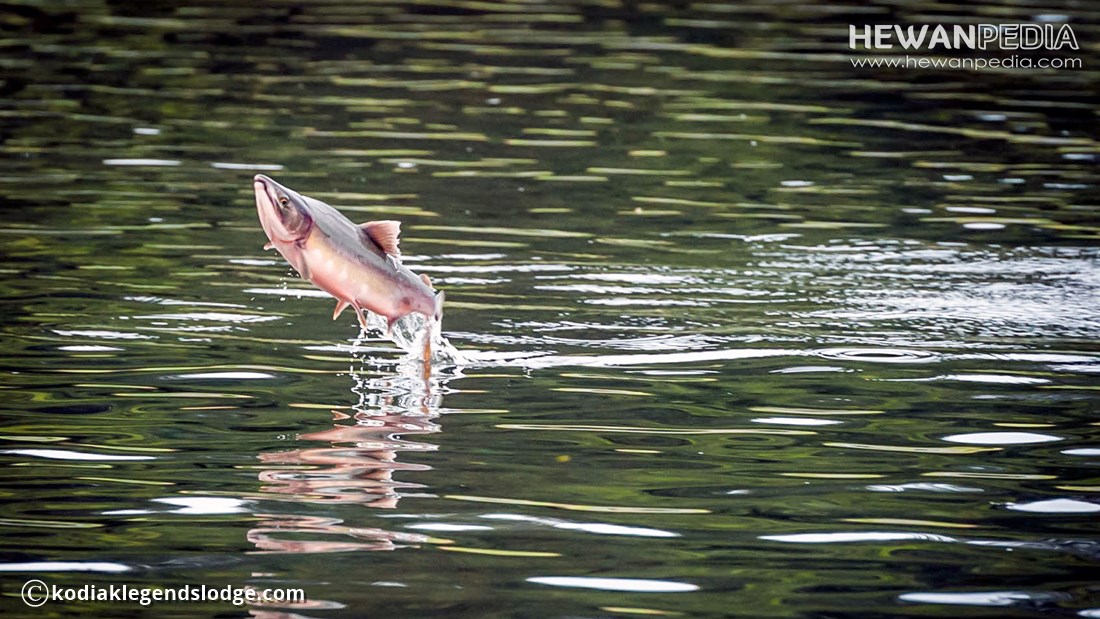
x=747, y=330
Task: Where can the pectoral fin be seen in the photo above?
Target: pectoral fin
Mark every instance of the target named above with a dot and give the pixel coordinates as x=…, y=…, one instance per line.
x=340, y=307
x=269, y=245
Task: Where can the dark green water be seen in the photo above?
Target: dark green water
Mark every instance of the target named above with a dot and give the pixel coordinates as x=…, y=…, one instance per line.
x=750, y=331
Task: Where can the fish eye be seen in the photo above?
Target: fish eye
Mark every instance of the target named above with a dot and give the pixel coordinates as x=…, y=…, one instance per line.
x=283, y=202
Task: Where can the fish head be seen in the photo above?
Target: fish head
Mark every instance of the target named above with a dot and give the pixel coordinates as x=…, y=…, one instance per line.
x=284, y=213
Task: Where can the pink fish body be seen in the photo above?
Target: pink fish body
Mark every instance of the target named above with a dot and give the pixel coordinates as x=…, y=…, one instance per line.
x=360, y=265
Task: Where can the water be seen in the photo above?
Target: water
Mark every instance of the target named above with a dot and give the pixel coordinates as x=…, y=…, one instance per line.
x=420, y=337
x=746, y=331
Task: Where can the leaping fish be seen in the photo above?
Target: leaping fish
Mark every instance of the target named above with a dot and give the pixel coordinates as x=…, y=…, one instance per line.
x=359, y=264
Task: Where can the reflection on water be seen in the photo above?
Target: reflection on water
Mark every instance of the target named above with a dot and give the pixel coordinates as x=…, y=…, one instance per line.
x=741, y=326
x=355, y=465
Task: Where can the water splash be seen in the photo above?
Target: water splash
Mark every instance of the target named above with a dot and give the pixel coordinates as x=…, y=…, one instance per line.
x=412, y=331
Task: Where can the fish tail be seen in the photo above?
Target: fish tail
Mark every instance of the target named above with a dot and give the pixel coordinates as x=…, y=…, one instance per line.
x=427, y=357
x=439, y=305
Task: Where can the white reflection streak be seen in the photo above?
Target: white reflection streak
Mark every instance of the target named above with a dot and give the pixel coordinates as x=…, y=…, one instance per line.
x=598, y=528
x=684, y=357
x=63, y=454
x=844, y=538
x=1055, y=506
x=65, y=566
x=983, y=598
x=1001, y=438
x=634, y=585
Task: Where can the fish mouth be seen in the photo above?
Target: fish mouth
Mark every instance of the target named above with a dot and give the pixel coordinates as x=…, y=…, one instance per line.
x=270, y=218
x=263, y=186
x=267, y=194
x=283, y=218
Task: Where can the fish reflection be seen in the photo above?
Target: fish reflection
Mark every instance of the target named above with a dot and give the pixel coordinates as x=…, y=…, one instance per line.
x=361, y=538
x=359, y=465
x=355, y=462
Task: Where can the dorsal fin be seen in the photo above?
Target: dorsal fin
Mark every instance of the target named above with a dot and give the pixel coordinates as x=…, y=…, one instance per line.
x=427, y=280
x=385, y=233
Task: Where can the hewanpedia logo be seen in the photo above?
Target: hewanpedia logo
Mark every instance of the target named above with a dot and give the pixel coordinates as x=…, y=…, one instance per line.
x=1051, y=37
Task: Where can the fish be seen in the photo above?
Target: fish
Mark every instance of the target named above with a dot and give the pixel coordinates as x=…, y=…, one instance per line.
x=358, y=264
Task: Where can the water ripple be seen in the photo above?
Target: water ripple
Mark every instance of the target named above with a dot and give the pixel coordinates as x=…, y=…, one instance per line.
x=878, y=355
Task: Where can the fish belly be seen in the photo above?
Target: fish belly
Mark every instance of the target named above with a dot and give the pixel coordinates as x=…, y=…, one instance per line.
x=351, y=281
